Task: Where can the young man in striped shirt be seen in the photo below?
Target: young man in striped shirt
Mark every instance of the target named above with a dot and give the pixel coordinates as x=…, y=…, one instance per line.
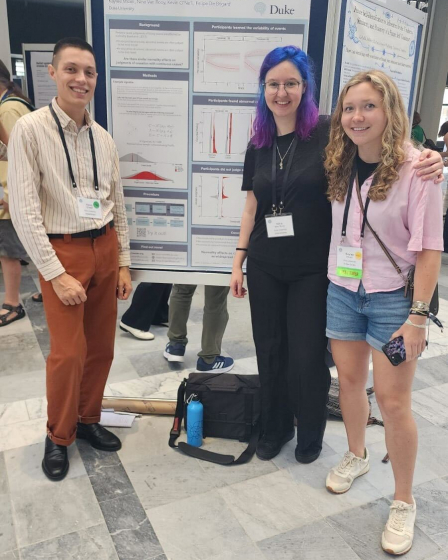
x=67, y=206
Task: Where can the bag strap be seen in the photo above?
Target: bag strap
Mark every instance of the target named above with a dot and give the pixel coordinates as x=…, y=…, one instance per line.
x=178, y=415
x=376, y=236
x=20, y=100
x=219, y=458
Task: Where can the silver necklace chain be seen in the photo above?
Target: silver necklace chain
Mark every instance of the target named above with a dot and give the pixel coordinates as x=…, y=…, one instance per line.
x=283, y=157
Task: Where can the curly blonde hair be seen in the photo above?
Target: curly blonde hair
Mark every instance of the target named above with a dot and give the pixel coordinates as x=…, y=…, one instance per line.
x=341, y=151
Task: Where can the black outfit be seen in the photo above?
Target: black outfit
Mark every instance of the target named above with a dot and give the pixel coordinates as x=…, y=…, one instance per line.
x=365, y=170
x=149, y=306
x=287, y=281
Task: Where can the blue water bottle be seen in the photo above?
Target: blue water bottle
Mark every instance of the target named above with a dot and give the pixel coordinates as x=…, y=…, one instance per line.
x=195, y=414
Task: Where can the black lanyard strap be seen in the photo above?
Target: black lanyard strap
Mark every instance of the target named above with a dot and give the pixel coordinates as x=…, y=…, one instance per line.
x=353, y=178
x=67, y=155
x=285, y=176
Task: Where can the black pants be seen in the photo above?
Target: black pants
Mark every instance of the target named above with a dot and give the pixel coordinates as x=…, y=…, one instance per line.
x=288, y=308
x=149, y=306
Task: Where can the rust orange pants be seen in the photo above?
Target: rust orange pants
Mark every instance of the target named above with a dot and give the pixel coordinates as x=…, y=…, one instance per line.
x=81, y=336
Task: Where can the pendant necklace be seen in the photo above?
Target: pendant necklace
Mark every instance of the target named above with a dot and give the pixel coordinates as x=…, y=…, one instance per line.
x=286, y=153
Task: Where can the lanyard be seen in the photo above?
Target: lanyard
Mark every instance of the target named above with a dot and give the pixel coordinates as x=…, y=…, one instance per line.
x=280, y=207
x=67, y=155
x=353, y=178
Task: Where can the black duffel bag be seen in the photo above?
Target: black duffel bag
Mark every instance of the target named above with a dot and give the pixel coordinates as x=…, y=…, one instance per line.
x=231, y=410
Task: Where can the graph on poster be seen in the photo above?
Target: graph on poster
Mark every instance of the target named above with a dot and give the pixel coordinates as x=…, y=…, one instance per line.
x=229, y=62
x=218, y=199
x=221, y=134
x=137, y=171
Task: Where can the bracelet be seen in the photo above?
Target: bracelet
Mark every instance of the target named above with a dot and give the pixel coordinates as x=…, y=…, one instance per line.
x=408, y=322
x=420, y=306
x=240, y=249
x=418, y=312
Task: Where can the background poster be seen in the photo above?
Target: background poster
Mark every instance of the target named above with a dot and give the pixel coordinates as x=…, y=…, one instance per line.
x=182, y=86
x=44, y=86
x=375, y=37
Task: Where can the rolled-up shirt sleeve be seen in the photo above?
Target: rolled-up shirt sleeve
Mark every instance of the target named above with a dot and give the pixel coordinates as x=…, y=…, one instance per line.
x=425, y=215
x=119, y=212
x=24, y=202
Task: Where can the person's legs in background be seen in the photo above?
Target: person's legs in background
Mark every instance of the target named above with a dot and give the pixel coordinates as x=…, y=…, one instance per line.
x=180, y=305
x=214, y=325
x=145, y=309
x=11, y=309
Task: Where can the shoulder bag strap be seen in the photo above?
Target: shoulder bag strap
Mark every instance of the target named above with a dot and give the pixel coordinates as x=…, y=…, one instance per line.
x=375, y=235
x=221, y=459
x=19, y=100
x=178, y=415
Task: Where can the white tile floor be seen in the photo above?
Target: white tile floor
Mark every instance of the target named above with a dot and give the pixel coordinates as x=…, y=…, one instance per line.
x=150, y=502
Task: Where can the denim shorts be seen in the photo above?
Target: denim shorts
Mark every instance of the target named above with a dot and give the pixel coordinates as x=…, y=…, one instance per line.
x=360, y=316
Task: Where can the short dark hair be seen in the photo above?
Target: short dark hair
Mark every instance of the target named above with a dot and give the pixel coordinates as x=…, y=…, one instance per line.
x=443, y=129
x=75, y=42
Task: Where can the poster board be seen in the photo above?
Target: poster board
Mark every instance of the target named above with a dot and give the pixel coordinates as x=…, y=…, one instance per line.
x=177, y=90
x=374, y=34
x=40, y=87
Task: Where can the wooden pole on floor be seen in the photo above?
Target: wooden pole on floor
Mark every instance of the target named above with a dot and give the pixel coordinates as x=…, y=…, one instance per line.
x=141, y=405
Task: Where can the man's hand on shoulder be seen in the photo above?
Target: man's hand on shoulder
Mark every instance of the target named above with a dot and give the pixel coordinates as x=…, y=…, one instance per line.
x=124, y=287
x=68, y=289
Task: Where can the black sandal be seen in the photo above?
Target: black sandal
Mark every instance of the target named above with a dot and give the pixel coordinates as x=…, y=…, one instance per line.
x=37, y=297
x=20, y=314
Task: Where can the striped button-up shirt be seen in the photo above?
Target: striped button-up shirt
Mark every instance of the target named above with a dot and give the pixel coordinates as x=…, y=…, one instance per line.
x=3, y=150
x=41, y=196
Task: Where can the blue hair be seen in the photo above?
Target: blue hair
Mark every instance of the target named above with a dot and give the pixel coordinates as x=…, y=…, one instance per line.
x=307, y=112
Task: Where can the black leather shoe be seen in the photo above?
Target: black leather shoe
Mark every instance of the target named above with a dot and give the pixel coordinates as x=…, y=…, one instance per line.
x=268, y=449
x=98, y=437
x=308, y=455
x=55, y=463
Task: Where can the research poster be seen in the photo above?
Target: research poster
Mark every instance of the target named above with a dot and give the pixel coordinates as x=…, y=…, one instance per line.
x=44, y=87
x=182, y=87
x=375, y=37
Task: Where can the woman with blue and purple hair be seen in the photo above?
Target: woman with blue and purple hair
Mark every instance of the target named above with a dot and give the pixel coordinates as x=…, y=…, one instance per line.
x=285, y=233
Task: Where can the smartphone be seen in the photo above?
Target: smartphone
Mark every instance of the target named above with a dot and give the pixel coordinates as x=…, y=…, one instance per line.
x=395, y=351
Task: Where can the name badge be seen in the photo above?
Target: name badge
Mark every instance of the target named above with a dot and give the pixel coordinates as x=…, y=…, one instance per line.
x=349, y=262
x=89, y=208
x=279, y=226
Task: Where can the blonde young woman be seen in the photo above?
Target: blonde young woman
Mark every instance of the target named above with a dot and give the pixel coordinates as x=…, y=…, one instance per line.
x=366, y=304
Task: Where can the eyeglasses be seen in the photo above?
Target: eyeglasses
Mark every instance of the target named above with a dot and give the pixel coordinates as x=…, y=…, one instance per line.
x=290, y=86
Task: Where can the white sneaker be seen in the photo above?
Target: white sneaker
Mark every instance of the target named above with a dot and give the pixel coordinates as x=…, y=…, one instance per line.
x=141, y=335
x=341, y=477
x=399, y=531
